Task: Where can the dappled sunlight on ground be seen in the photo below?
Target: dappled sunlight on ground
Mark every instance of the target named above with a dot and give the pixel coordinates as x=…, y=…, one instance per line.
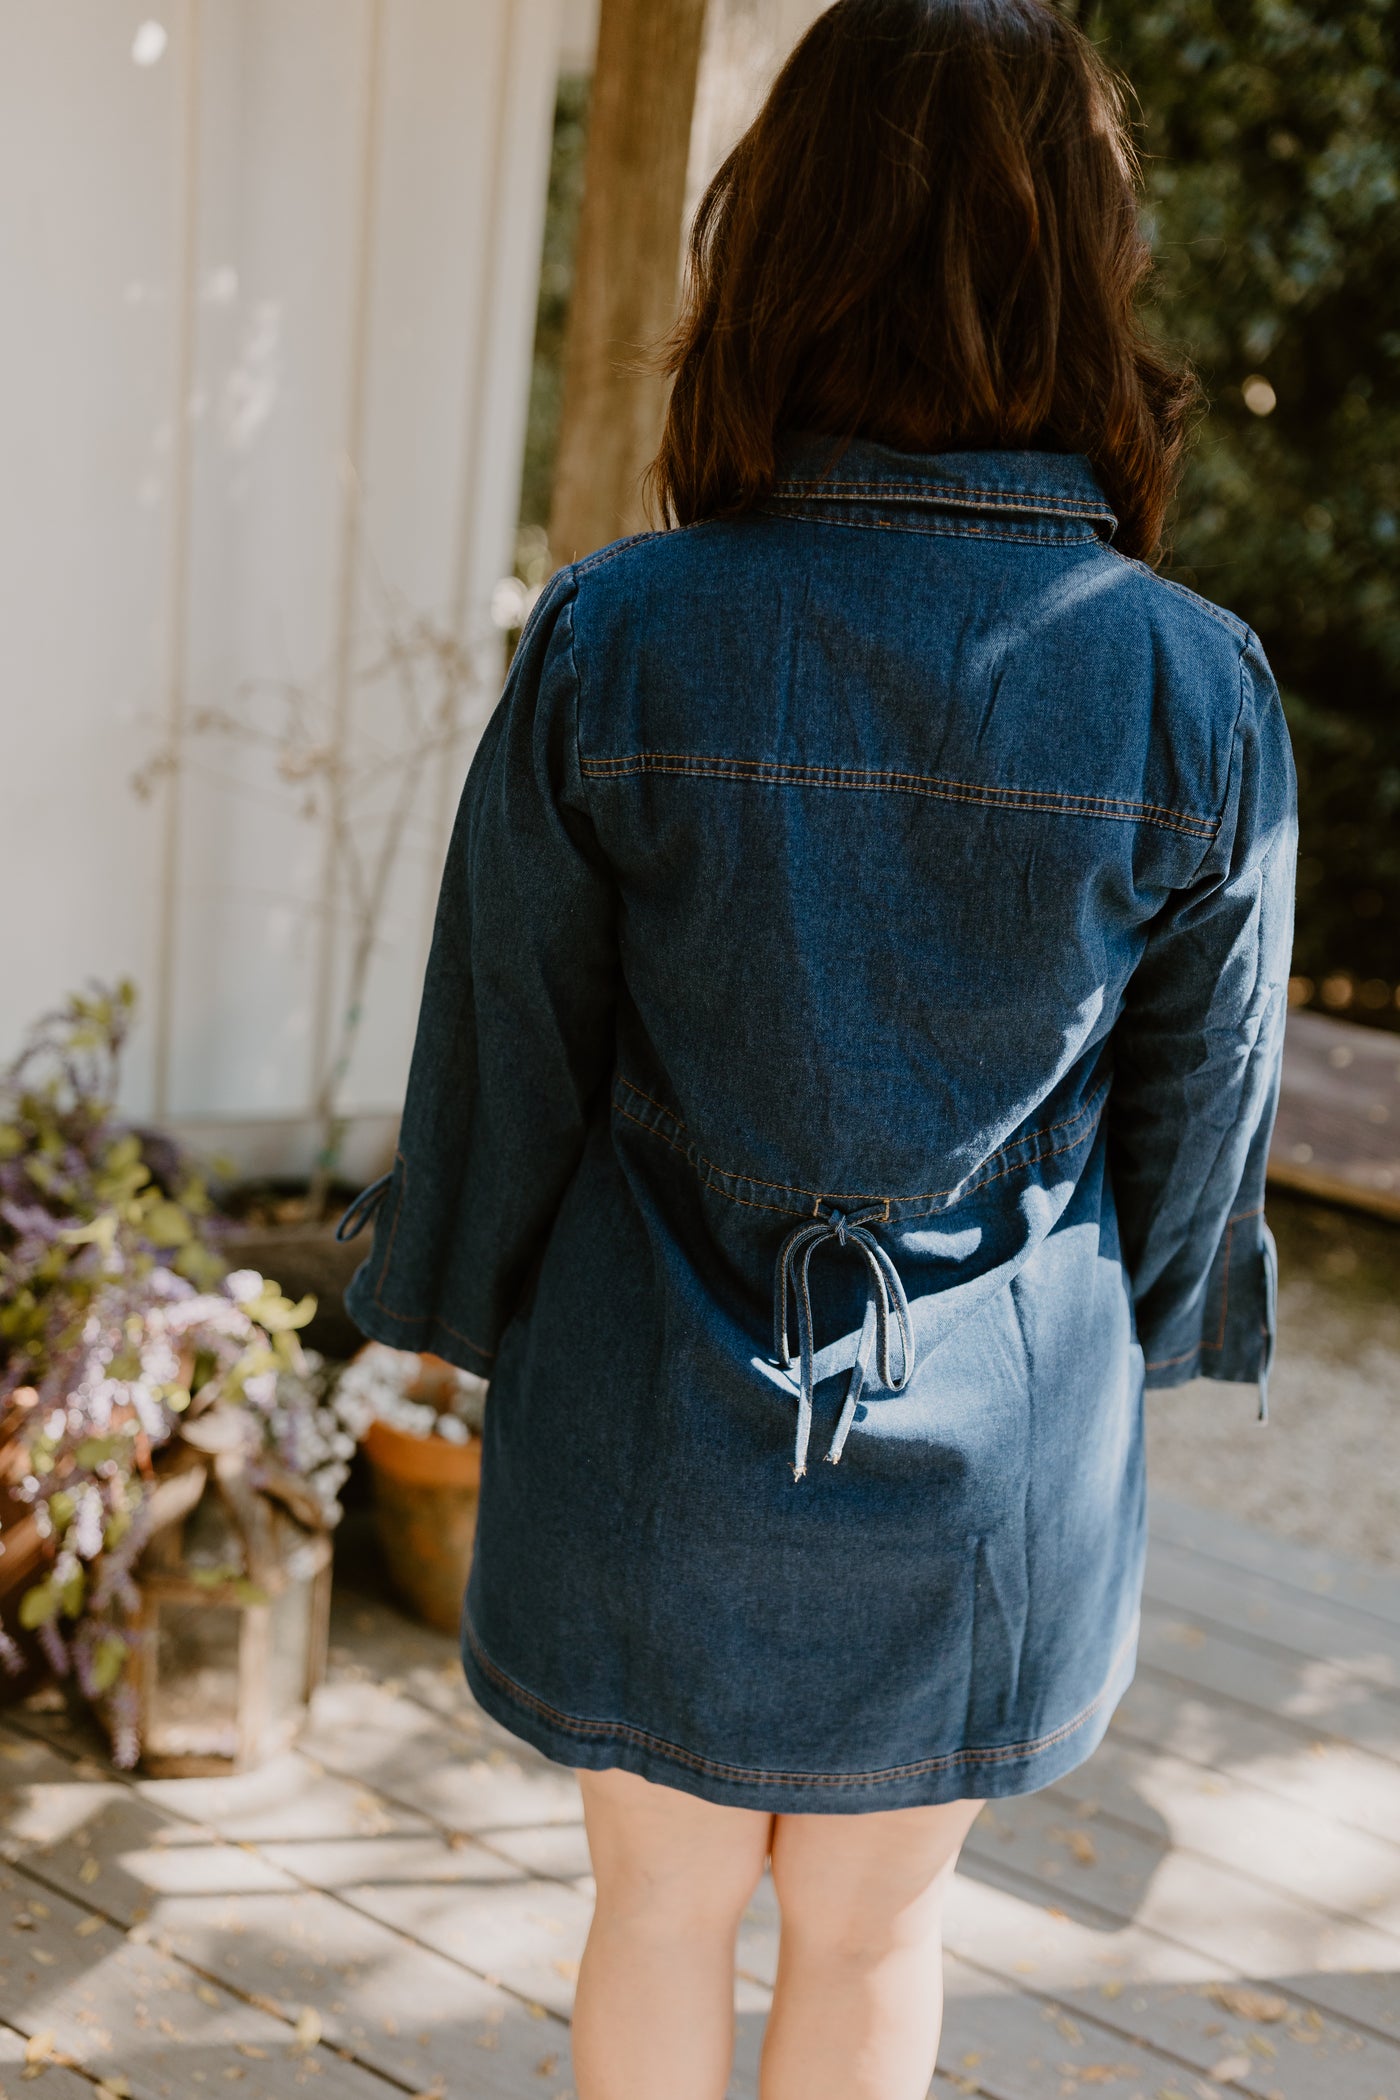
x=1211, y=1904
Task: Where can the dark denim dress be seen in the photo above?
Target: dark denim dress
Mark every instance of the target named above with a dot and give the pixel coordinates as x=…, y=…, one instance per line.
x=844, y=1078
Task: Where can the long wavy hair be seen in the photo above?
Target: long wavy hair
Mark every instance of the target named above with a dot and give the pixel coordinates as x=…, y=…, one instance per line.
x=927, y=237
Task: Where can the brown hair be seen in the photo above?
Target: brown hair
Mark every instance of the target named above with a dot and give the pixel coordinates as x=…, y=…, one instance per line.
x=927, y=237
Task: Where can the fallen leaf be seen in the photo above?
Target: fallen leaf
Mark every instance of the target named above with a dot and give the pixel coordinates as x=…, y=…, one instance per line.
x=39, y=2048
x=90, y=1924
x=89, y=1870
x=537, y=2012
x=308, y=2028
x=546, y=2067
x=1229, y=2068
x=1247, y=2003
x=488, y=2039
x=249, y=2049
x=1112, y=1989
x=207, y=1994
x=1083, y=1848
x=971, y=2060
x=566, y=1969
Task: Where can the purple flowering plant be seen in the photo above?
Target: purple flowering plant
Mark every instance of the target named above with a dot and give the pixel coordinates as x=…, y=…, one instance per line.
x=120, y=1330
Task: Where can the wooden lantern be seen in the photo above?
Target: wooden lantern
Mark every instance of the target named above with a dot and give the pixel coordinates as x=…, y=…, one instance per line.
x=235, y=1606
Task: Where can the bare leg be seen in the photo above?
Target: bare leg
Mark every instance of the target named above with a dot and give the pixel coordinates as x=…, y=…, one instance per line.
x=654, y=2016
x=859, y=2000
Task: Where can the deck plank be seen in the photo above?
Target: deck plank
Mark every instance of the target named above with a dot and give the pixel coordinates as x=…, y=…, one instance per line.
x=1292, y=1846
x=266, y=1919
x=1132, y=1986
x=1226, y=1543
x=121, y=2005
x=1338, y=1128
x=1322, y=1698
x=1357, y=1789
x=1311, y=1628
x=412, y=1866
x=1341, y=1965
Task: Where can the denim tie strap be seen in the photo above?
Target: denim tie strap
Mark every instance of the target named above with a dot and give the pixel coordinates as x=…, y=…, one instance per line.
x=884, y=1295
x=358, y=1214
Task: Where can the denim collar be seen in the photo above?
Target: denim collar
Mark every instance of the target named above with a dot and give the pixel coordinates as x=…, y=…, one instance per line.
x=1043, y=484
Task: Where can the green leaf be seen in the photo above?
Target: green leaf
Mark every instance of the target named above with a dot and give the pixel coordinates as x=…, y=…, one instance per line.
x=38, y=1604
x=199, y=1265
x=167, y=1224
x=100, y=1231
x=94, y=1450
x=108, y=1658
x=276, y=1313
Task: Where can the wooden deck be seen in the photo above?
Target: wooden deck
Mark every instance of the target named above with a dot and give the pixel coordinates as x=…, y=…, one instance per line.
x=1338, y=1128
x=1211, y=1905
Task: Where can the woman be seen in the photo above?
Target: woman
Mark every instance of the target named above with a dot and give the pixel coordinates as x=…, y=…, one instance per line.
x=848, y=1054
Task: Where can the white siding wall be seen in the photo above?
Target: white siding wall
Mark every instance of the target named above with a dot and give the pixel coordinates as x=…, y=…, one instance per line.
x=269, y=307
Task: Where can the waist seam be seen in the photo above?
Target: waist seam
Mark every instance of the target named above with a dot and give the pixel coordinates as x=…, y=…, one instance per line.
x=636, y=1106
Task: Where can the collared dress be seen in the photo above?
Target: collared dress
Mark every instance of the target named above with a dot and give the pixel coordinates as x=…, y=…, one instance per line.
x=843, y=1083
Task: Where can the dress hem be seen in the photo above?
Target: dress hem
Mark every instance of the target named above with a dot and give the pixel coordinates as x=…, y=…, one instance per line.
x=991, y=1773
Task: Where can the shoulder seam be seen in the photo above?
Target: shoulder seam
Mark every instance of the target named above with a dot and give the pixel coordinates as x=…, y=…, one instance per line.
x=599, y=560
x=1233, y=625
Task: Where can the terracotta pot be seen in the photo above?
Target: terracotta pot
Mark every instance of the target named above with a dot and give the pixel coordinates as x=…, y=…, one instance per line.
x=425, y=1493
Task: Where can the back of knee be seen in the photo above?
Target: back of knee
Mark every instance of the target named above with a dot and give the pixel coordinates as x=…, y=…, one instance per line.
x=672, y=1901
x=861, y=1927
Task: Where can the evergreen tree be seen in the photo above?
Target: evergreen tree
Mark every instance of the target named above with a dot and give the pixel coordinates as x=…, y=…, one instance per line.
x=1270, y=134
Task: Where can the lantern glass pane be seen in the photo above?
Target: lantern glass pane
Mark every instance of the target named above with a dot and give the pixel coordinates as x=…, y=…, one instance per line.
x=288, y=1654
x=194, y=1704
x=212, y=1540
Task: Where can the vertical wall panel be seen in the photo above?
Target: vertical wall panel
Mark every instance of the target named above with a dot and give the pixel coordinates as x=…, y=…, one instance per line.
x=90, y=160
x=88, y=249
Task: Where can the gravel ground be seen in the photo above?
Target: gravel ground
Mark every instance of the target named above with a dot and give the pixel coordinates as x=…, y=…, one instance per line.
x=1326, y=1466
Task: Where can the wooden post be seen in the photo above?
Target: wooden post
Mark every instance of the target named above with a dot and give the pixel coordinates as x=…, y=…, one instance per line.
x=628, y=256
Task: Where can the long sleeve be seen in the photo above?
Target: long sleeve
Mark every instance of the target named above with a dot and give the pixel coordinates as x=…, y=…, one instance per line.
x=515, y=1030
x=1197, y=1054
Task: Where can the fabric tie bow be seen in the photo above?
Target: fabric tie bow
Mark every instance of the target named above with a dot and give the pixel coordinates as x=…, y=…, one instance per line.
x=884, y=1296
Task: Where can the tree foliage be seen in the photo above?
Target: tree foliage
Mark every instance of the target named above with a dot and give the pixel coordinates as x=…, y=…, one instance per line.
x=1270, y=134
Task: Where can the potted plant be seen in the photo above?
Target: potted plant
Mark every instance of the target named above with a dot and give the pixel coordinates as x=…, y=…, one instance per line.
x=419, y=1420
x=164, y=1438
